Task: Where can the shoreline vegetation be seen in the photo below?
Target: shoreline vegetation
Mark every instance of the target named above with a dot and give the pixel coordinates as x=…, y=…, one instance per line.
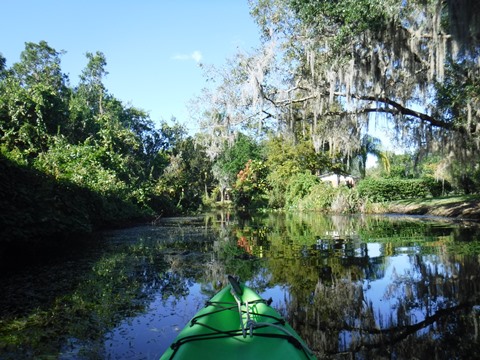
x=37, y=208
x=466, y=207
x=77, y=160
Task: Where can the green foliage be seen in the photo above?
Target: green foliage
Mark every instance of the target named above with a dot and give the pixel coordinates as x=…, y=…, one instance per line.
x=379, y=190
x=285, y=159
x=234, y=158
x=370, y=145
x=282, y=165
x=34, y=99
x=466, y=179
x=298, y=187
x=231, y=161
x=83, y=165
x=188, y=177
x=437, y=187
x=459, y=90
x=38, y=207
x=402, y=166
x=430, y=168
x=346, y=201
x=320, y=198
x=323, y=197
x=251, y=186
x=88, y=141
x=353, y=17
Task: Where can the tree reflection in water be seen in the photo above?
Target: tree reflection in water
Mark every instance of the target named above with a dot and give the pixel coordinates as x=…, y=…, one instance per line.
x=379, y=287
x=356, y=286
x=352, y=286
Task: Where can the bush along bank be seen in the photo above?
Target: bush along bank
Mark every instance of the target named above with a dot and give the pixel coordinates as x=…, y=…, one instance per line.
x=377, y=196
x=36, y=207
x=379, y=190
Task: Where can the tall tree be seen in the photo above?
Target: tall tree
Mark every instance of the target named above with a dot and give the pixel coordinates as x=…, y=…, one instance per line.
x=371, y=146
x=87, y=103
x=34, y=99
x=234, y=157
x=91, y=81
x=233, y=103
x=3, y=99
x=3, y=66
x=384, y=57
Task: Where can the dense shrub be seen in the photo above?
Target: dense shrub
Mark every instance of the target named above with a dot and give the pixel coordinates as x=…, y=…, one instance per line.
x=378, y=190
x=326, y=198
x=346, y=201
x=298, y=187
x=437, y=187
x=250, y=189
x=82, y=165
x=276, y=196
x=320, y=198
x=37, y=207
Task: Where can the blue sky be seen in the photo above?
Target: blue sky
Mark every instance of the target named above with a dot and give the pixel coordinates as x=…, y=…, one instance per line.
x=153, y=47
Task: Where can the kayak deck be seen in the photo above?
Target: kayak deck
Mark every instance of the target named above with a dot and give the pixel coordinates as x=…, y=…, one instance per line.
x=237, y=323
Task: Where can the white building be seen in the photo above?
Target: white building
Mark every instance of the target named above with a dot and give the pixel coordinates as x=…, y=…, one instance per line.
x=337, y=179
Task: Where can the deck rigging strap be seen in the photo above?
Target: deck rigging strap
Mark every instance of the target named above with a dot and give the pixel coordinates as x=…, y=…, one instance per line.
x=250, y=324
x=294, y=341
x=221, y=306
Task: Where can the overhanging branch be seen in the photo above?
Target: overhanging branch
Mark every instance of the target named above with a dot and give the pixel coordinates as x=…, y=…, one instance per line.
x=402, y=110
x=394, y=108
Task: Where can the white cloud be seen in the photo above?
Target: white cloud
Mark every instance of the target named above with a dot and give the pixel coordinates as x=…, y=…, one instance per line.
x=195, y=56
x=180, y=57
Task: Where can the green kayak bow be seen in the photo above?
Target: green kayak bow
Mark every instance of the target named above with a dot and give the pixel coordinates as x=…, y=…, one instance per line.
x=237, y=324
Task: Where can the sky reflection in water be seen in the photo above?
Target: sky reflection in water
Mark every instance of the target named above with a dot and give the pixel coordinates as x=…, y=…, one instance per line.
x=148, y=335
x=390, y=289
x=367, y=287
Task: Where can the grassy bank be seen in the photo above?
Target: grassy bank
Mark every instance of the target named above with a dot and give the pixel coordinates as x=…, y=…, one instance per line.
x=465, y=207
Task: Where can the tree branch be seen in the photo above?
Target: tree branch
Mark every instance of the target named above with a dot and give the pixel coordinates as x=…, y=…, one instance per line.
x=396, y=108
x=405, y=111
x=294, y=101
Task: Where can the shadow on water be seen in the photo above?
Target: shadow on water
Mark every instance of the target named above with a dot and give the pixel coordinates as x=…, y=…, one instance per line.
x=352, y=286
x=33, y=276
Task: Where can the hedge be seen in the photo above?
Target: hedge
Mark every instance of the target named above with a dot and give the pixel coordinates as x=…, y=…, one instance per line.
x=378, y=190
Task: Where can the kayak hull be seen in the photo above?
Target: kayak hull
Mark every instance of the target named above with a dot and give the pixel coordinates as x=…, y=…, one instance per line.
x=216, y=331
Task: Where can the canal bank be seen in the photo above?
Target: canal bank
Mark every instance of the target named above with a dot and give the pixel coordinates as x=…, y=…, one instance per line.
x=461, y=207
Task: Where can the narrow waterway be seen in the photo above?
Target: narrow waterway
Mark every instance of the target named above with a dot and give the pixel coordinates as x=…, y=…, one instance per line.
x=352, y=286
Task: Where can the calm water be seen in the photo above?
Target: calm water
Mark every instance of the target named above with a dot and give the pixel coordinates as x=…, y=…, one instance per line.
x=353, y=286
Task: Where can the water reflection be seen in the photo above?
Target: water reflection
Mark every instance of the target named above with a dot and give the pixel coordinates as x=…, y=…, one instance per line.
x=352, y=286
